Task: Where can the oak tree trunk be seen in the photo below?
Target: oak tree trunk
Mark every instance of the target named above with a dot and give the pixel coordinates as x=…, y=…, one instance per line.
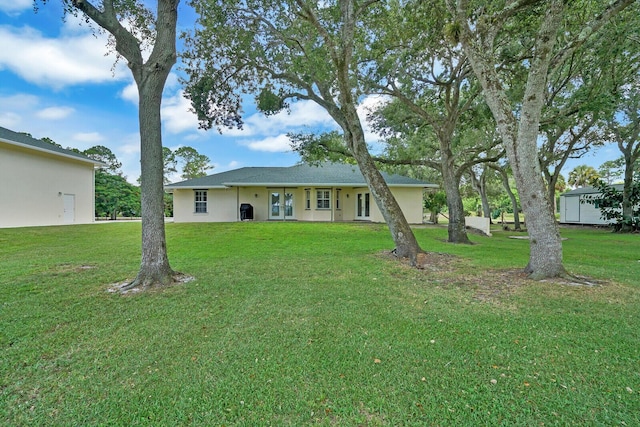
x=520, y=140
x=457, y=230
x=406, y=245
x=346, y=115
x=150, y=77
x=154, y=266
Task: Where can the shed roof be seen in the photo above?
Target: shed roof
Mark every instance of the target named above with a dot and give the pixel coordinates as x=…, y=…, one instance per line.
x=589, y=190
x=325, y=174
x=24, y=140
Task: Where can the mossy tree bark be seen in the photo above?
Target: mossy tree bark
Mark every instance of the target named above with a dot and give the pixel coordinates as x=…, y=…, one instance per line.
x=520, y=133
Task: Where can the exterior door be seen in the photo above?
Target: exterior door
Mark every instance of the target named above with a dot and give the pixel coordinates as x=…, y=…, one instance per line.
x=572, y=209
x=69, y=201
x=281, y=205
x=363, y=205
x=338, y=211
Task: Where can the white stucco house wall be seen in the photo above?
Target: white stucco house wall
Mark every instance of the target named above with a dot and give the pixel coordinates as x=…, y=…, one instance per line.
x=574, y=209
x=41, y=184
x=330, y=192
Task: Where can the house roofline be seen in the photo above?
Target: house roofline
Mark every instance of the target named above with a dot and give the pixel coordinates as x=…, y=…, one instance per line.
x=290, y=184
x=317, y=184
x=97, y=164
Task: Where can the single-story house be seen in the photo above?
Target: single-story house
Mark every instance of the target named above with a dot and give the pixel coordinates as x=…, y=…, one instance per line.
x=43, y=184
x=575, y=210
x=328, y=192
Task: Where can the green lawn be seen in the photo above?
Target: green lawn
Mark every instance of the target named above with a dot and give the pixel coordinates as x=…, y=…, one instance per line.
x=290, y=324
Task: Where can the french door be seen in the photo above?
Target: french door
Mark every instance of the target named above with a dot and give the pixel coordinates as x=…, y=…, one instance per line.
x=281, y=205
x=363, y=205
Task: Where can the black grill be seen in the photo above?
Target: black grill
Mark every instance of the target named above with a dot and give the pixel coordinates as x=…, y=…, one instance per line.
x=246, y=211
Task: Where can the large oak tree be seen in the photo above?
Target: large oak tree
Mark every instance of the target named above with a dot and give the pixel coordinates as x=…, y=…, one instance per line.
x=288, y=51
x=538, y=32
x=135, y=30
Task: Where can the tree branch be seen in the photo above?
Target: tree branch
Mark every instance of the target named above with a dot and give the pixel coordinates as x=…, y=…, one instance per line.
x=589, y=29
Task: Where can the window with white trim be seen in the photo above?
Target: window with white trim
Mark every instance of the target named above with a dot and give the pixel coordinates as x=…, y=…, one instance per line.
x=200, y=201
x=323, y=199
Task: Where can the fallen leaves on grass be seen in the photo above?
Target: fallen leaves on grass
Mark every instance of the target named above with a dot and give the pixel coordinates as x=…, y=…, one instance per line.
x=489, y=285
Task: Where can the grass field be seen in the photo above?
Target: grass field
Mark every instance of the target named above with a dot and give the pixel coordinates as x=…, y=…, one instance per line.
x=291, y=324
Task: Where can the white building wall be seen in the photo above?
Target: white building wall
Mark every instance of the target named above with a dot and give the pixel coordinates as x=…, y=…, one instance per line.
x=589, y=214
x=573, y=210
x=221, y=206
x=411, y=202
x=34, y=186
x=224, y=204
x=258, y=197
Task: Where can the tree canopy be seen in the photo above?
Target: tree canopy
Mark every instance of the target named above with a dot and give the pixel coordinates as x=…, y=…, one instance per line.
x=286, y=51
x=145, y=37
x=514, y=49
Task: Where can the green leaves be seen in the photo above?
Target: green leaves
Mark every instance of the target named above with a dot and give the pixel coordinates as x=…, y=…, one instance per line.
x=452, y=32
x=315, y=149
x=115, y=196
x=105, y=155
x=269, y=102
x=583, y=176
x=194, y=164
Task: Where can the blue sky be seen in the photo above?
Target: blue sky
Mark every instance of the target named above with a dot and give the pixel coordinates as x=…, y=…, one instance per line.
x=56, y=81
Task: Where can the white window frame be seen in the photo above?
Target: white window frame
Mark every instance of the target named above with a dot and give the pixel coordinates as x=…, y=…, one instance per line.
x=200, y=198
x=323, y=199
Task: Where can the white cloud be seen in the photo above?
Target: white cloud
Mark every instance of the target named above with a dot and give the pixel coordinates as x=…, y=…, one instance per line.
x=271, y=144
x=131, y=147
x=15, y=7
x=128, y=152
x=172, y=82
x=246, y=131
x=88, y=137
x=370, y=104
x=302, y=114
x=10, y=120
x=217, y=167
x=21, y=100
x=130, y=93
x=57, y=62
x=54, y=113
x=14, y=108
x=176, y=115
